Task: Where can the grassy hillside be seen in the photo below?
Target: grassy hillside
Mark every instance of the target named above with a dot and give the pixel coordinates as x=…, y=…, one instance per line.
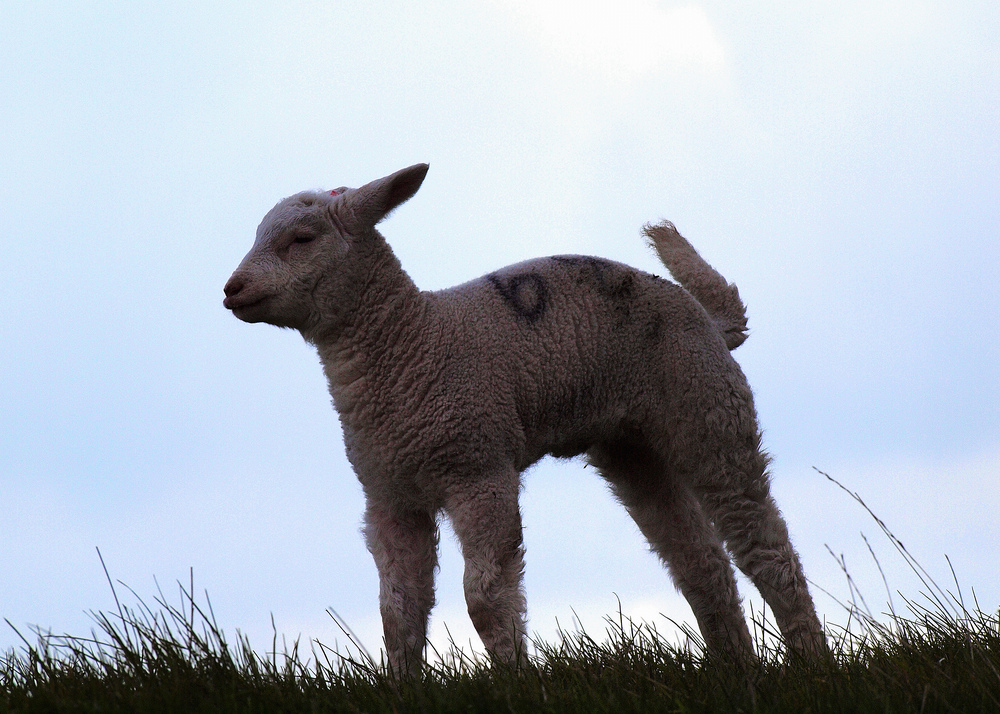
x=937, y=656
x=175, y=659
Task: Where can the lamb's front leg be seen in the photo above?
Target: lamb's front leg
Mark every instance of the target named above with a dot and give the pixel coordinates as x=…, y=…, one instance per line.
x=487, y=521
x=404, y=545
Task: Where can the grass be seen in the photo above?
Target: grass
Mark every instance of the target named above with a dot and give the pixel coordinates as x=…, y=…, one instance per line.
x=937, y=656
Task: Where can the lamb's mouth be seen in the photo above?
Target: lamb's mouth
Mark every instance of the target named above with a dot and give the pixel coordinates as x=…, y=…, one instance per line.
x=241, y=307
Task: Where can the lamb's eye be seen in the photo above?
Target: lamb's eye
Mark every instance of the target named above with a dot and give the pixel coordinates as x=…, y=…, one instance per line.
x=304, y=238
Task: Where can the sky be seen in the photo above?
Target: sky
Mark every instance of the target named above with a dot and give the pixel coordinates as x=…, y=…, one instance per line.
x=838, y=161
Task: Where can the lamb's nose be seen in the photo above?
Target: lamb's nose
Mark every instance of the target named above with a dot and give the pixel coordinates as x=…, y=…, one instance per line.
x=233, y=286
x=232, y=289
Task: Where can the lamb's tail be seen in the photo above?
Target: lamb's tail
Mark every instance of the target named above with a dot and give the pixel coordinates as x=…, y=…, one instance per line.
x=719, y=298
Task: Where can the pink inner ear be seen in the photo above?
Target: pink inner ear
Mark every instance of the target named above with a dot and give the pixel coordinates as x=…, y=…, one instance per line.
x=334, y=192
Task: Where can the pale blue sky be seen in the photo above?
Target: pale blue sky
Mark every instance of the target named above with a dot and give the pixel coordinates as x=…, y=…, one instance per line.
x=839, y=161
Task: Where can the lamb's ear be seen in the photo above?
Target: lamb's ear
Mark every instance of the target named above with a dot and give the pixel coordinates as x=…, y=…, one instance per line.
x=374, y=201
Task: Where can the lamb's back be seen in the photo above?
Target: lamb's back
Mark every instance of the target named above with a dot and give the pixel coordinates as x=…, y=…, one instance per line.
x=563, y=349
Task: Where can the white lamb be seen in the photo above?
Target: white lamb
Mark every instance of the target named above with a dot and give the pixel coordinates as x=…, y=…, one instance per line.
x=446, y=397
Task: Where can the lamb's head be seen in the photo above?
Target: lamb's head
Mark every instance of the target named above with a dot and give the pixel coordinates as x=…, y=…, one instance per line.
x=310, y=257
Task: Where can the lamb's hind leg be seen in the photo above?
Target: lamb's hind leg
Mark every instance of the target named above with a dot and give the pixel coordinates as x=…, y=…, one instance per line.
x=487, y=521
x=672, y=520
x=404, y=545
x=736, y=494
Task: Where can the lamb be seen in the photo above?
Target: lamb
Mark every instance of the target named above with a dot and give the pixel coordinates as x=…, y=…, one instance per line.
x=446, y=397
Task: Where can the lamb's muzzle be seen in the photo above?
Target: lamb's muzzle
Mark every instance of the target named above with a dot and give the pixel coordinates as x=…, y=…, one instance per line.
x=243, y=302
x=232, y=291
x=446, y=397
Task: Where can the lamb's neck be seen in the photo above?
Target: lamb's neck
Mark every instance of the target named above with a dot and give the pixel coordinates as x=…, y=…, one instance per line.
x=382, y=334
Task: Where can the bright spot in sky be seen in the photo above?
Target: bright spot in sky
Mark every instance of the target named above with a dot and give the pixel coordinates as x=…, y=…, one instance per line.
x=621, y=38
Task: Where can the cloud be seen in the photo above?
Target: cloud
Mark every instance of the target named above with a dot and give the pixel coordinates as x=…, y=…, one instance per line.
x=621, y=39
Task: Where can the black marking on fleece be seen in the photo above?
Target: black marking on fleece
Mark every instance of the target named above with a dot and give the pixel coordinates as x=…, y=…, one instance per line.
x=610, y=279
x=614, y=282
x=526, y=294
